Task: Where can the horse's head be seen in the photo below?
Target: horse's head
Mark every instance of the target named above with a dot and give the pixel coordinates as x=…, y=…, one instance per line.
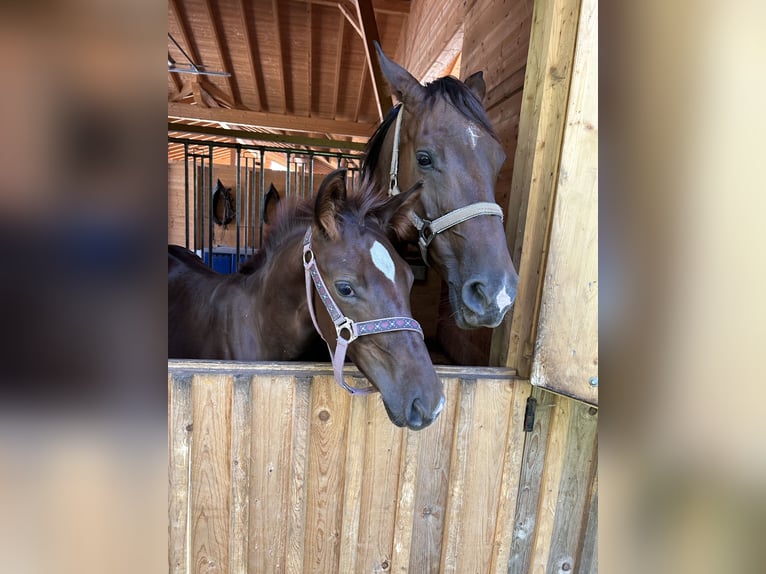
x=447, y=142
x=368, y=280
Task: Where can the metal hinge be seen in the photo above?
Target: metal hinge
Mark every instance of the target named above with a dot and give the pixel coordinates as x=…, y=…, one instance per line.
x=529, y=414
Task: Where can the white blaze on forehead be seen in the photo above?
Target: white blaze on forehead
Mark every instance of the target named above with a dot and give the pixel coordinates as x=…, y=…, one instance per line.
x=503, y=300
x=473, y=134
x=382, y=260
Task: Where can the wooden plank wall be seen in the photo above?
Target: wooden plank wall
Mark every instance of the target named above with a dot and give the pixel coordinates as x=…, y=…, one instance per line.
x=566, y=353
x=274, y=468
x=496, y=41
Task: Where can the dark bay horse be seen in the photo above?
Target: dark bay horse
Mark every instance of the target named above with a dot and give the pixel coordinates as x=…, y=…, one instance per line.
x=267, y=315
x=447, y=142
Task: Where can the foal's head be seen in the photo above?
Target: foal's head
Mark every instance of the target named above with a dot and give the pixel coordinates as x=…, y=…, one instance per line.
x=368, y=281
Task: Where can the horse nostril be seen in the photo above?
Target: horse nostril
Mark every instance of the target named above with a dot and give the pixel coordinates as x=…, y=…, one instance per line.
x=418, y=416
x=475, y=296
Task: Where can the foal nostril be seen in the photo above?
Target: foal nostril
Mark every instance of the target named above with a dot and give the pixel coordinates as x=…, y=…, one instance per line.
x=475, y=296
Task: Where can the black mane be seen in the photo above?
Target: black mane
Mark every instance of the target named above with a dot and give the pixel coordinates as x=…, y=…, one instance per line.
x=449, y=88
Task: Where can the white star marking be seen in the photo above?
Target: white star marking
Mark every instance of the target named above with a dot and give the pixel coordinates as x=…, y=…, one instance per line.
x=382, y=260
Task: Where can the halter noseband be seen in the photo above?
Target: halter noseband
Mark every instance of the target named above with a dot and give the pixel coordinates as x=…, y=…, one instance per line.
x=427, y=229
x=346, y=329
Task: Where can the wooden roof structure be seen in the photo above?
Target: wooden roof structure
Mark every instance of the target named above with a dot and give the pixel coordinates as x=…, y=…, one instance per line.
x=300, y=70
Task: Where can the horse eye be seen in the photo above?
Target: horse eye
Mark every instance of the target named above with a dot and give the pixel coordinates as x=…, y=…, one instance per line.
x=424, y=160
x=344, y=289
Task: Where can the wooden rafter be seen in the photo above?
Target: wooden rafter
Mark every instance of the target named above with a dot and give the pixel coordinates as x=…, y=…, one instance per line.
x=278, y=32
x=400, y=7
x=252, y=55
x=269, y=120
x=338, y=59
x=360, y=95
x=351, y=19
x=309, y=50
x=183, y=28
x=369, y=36
x=222, y=52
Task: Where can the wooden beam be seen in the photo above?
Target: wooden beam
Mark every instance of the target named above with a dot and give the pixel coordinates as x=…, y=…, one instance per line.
x=215, y=92
x=252, y=56
x=268, y=120
x=223, y=53
x=370, y=35
x=398, y=7
x=309, y=61
x=535, y=170
x=262, y=137
x=281, y=67
x=360, y=95
x=186, y=35
x=351, y=20
x=338, y=60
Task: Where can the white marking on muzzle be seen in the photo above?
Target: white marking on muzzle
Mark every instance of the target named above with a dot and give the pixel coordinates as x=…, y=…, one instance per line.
x=503, y=299
x=382, y=260
x=439, y=407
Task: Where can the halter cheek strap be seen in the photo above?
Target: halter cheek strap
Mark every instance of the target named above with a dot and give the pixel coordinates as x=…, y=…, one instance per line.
x=347, y=330
x=393, y=179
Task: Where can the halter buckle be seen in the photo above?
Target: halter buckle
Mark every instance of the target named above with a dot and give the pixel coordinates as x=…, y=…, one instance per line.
x=347, y=326
x=425, y=233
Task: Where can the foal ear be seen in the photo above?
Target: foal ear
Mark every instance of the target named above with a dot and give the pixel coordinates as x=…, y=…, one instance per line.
x=475, y=83
x=330, y=197
x=403, y=84
x=395, y=213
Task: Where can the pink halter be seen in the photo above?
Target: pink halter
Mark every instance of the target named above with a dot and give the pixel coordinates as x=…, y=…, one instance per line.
x=347, y=329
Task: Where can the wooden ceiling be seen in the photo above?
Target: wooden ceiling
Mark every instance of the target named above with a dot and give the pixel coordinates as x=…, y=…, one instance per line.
x=297, y=68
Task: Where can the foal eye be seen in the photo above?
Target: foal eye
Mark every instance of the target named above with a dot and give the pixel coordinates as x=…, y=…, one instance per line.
x=344, y=289
x=424, y=160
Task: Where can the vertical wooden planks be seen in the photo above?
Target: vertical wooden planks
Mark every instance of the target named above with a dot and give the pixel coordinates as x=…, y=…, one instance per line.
x=431, y=490
x=296, y=533
x=566, y=353
x=532, y=465
x=485, y=453
x=574, y=489
x=328, y=418
x=270, y=458
x=352, y=489
x=509, y=489
x=535, y=168
x=382, y=454
x=179, y=453
x=241, y=431
x=210, y=473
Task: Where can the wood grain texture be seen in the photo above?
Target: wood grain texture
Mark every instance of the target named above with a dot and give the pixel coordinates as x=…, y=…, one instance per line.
x=241, y=432
x=530, y=472
x=566, y=350
x=270, y=458
x=535, y=171
x=179, y=458
x=331, y=485
x=324, y=498
x=210, y=473
x=432, y=487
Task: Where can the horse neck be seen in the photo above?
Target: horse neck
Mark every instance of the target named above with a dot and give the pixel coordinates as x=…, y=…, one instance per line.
x=280, y=293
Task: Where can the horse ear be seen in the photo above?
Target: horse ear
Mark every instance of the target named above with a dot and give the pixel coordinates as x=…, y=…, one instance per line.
x=475, y=83
x=271, y=203
x=331, y=194
x=395, y=213
x=403, y=84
